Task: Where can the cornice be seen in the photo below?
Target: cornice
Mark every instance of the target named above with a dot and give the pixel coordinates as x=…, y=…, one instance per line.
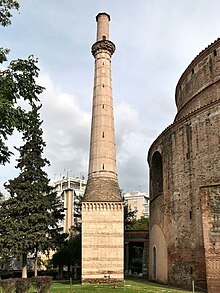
x=195, y=61
x=103, y=45
x=208, y=85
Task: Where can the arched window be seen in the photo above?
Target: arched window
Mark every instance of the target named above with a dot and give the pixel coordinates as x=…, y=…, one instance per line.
x=154, y=263
x=156, y=175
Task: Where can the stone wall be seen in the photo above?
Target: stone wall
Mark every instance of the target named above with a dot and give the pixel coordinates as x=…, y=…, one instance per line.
x=102, y=242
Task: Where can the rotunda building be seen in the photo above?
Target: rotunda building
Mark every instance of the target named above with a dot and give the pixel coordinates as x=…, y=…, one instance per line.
x=184, y=164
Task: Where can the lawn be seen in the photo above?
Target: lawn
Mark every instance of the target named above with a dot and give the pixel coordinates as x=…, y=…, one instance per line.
x=130, y=286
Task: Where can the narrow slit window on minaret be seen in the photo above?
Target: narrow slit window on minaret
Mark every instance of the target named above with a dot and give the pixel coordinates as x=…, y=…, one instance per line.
x=103, y=85
x=103, y=166
x=103, y=106
x=103, y=134
x=103, y=63
x=104, y=38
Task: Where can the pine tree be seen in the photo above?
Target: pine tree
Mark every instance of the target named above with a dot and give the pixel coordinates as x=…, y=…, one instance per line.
x=30, y=215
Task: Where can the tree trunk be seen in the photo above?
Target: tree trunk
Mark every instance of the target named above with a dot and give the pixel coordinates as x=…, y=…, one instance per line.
x=24, y=265
x=75, y=271
x=60, y=272
x=35, y=264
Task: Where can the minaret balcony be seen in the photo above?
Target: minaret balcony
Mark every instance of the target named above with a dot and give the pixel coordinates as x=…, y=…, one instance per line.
x=103, y=45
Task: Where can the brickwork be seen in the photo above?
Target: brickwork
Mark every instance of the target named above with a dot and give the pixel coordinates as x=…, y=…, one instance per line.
x=210, y=205
x=199, y=84
x=102, y=242
x=102, y=26
x=102, y=162
x=190, y=154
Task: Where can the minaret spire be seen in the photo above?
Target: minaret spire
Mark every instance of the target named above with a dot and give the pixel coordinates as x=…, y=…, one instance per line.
x=102, y=161
x=102, y=206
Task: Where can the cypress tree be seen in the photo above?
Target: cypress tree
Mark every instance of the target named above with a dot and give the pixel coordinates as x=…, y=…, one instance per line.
x=30, y=216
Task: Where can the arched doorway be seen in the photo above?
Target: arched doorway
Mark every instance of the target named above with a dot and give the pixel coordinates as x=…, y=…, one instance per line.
x=158, y=258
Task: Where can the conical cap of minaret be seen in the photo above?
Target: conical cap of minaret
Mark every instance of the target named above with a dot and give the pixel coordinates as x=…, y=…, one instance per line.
x=102, y=178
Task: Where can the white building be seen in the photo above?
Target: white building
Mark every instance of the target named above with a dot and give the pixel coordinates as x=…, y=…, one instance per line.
x=69, y=190
x=137, y=201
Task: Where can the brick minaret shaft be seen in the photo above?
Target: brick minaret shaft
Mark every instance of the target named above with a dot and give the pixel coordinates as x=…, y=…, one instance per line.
x=102, y=207
x=102, y=163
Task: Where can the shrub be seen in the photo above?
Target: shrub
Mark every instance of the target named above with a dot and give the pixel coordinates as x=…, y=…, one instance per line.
x=22, y=285
x=42, y=283
x=7, y=285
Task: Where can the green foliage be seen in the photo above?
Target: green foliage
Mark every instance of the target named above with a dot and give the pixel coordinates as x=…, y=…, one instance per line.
x=17, y=82
x=7, y=285
x=129, y=217
x=5, y=11
x=70, y=253
x=140, y=224
x=29, y=217
x=42, y=284
x=77, y=214
x=1, y=196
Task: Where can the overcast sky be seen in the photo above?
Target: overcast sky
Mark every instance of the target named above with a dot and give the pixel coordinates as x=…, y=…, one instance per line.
x=155, y=42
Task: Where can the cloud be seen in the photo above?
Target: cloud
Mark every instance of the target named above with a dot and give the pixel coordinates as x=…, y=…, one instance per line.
x=132, y=141
x=66, y=130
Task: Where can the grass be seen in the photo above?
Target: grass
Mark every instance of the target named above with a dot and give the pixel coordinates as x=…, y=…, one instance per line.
x=130, y=286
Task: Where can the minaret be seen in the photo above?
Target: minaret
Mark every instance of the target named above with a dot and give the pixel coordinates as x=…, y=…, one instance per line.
x=102, y=207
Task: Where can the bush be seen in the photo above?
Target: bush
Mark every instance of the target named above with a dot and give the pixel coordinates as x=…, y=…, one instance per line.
x=42, y=284
x=8, y=285
x=22, y=285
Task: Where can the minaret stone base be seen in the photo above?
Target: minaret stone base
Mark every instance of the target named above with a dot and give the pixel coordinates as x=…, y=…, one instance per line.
x=102, y=242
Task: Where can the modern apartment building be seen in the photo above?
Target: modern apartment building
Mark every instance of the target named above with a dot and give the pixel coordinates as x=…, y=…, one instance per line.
x=69, y=191
x=137, y=201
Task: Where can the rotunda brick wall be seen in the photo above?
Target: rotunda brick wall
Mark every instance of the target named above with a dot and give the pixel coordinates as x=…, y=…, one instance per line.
x=185, y=157
x=199, y=84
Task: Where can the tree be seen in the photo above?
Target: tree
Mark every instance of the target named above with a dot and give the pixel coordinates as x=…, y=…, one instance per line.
x=76, y=229
x=5, y=11
x=1, y=196
x=69, y=254
x=17, y=82
x=30, y=215
x=129, y=217
x=140, y=224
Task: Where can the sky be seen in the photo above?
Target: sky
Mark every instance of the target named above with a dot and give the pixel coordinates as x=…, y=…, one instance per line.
x=155, y=42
